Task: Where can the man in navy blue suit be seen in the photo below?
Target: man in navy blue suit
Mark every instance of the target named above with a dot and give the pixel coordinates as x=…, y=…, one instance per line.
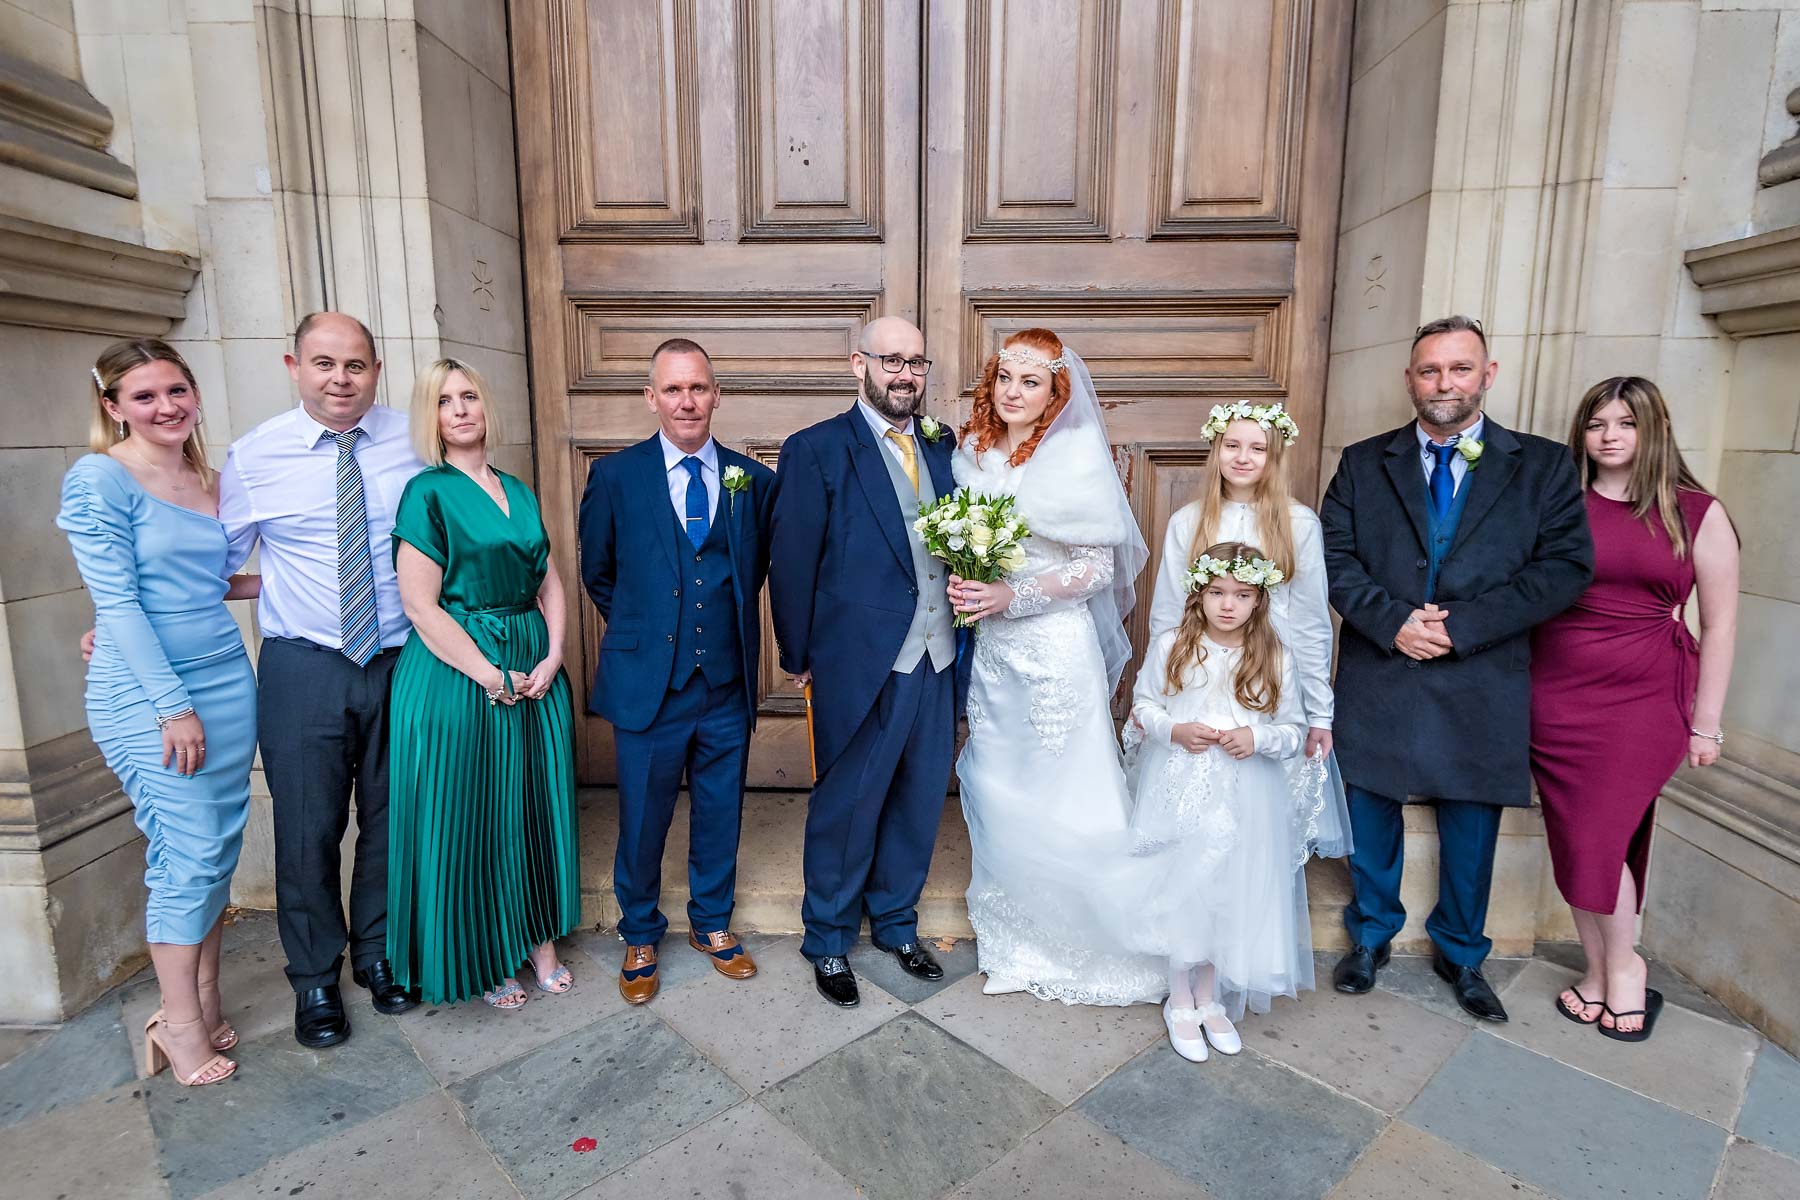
x=674, y=551
x=861, y=613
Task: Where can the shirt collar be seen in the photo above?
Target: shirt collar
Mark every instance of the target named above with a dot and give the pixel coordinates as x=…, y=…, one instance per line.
x=1471, y=434
x=879, y=423
x=673, y=454
x=311, y=431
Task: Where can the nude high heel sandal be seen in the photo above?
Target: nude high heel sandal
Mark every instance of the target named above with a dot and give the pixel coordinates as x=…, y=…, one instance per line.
x=216, y=1069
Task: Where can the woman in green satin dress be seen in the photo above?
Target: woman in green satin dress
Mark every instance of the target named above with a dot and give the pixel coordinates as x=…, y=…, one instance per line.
x=482, y=871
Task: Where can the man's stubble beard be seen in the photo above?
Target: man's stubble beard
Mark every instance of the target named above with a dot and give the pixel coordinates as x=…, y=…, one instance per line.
x=886, y=402
x=1445, y=413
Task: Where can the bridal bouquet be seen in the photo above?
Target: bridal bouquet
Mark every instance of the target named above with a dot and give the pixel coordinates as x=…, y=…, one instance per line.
x=980, y=537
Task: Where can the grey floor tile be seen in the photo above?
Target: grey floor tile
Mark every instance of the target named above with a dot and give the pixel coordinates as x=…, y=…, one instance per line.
x=743, y=1153
x=464, y=1039
x=254, y=988
x=955, y=955
x=1692, y=1063
x=628, y=1082
x=282, y=1099
x=1062, y=1049
x=1072, y=1159
x=1244, y=1127
x=764, y=1029
x=14, y=1042
x=1771, y=1113
x=678, y=963
x=1411, y=1163
x=419, y=1149
x=1675, y=987
x=101, y=1146
x=1754, y=1173
x=88, y=1054
x=909, y=1111
x=1378, y=1047
x=1564, y=1130
x=1412, y=976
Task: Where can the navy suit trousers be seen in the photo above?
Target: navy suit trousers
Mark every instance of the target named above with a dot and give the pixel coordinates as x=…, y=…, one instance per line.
x=1467, y=835
x=873, y=819
x=704, y=732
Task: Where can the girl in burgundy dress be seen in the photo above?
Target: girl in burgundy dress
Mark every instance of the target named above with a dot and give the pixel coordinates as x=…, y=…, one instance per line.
x=1621, y=691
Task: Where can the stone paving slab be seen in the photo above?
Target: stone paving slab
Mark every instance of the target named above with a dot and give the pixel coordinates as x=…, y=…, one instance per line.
x=254, y=988
x=1408, y=1162
x=743, y=1154
x=1754, y=1173
x=909, y=1112
x=1771, y=1112
x=14, y=1042
x=101, y=1146
x=1073, y=1159
x=88, y=1055
x=1675, y=987
x=881, y=969
x=1564, y=1130
x=1411, y=976
x=677, y=963
x=1243, y=1127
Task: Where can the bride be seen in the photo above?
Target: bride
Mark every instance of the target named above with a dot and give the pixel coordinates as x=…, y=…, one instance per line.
x=1042, y=786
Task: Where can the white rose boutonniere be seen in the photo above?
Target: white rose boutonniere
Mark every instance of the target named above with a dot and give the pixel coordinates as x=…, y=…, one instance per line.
x=1470, y=449
x=930, y=429
x=736, y=480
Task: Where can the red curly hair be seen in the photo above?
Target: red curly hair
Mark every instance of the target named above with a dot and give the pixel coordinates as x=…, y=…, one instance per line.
x=984, y=420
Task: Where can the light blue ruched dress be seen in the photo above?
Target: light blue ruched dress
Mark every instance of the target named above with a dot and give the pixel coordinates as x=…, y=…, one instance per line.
x=164, y=642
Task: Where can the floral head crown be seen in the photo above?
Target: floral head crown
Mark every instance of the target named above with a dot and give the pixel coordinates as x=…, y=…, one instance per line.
x=1033, y=358
x=1269, y=416
x=1258, y=572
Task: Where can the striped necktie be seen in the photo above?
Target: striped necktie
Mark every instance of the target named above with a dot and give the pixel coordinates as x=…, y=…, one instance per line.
x=356, y=569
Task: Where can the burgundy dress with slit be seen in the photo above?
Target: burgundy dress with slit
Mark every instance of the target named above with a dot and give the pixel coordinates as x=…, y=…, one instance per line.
x=1612, y=698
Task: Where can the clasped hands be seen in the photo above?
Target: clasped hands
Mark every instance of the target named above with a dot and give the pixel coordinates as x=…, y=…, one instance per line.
x=1195, y=737
x=1423, y=635
x=534, y=685
x=978, y=600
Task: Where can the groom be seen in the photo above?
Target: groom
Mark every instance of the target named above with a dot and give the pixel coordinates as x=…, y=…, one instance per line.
x=1446, y=540
x=862, y=615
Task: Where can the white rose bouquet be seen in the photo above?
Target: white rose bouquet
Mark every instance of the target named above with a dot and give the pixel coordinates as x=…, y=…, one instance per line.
x=980, y=537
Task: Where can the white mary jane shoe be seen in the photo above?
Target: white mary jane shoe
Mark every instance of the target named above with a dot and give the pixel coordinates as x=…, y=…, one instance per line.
x=1225, y=1041
x=1192, y=1049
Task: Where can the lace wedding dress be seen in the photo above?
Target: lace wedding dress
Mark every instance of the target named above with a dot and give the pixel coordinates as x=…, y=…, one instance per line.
x=1043, y=789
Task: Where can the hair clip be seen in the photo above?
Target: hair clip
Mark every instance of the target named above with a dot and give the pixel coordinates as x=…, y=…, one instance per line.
x=98, y=382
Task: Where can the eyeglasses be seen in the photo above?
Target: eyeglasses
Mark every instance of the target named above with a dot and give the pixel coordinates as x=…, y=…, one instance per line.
x=893, y=363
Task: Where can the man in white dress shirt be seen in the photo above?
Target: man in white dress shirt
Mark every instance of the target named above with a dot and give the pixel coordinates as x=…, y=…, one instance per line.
x=317, y=487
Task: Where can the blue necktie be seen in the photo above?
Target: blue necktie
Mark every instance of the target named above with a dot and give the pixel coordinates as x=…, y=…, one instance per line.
x=360, y=623
x=1443, y=483
x=697, y=520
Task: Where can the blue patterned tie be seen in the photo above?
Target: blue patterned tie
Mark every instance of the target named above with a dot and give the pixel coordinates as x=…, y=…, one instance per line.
x=356, y=569
x=697, y=520
x=1443, y=483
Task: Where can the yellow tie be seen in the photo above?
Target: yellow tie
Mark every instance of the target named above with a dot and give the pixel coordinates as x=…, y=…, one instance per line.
x=909, y=461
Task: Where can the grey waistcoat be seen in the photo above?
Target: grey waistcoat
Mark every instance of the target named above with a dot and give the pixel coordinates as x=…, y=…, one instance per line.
x=930, y=630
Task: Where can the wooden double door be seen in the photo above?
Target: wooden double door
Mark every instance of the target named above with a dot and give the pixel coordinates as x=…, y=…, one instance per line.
x=1156, y=180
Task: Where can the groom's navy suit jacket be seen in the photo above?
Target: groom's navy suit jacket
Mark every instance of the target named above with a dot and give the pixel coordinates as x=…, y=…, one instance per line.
x=630, y=557
x=1519, y=552
x=841, y=581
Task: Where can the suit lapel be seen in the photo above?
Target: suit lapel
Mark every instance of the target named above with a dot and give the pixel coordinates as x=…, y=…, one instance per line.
x=656, y=489
x=878, y=486
x=937, y=458
x=1402, y=461
x=1486, y=481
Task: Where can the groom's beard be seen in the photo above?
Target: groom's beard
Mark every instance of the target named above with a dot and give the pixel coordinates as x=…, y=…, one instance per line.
x=896, y=401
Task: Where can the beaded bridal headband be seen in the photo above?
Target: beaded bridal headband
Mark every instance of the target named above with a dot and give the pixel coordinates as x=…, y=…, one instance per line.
x=1033, y=358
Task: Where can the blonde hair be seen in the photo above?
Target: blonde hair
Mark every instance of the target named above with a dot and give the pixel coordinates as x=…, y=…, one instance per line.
x=1274, y=520
x=1257, y=684
x=427, y=436
x=114, y=363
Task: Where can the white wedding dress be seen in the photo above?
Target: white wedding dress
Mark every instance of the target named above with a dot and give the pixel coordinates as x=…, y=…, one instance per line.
x=1043, y=788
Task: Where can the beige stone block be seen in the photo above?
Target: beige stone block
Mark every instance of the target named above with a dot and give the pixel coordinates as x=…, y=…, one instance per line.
x=496, y=173
x=49, y=43
x=1466, y=244
x=34, y=554
x=257, y=384
x=220, y=10
x=479, y=288
x=1365, y=146
x=241, y=237
x=1504, y=402
x=1762, y=492
x=1655, y=68
x=1765, y=401
x=421, y=266
x=1545, y=390
x=159, y=81
x=1591, y=75
x=234, y=137
x=1538, y=59
x=1413, y=123
x=1695, y=377
x=387, y=86
x=404, y=108
x=1576, y=205
x=69, y=206
x=376, y=288
x=1598, y=358
x=98, y=923
x=102, y=72
x=45, y=632
x=474, y=29
x=47, y=395
x=449, y=126
x=1763, y=701
x=1382, y=25
x=129, y=16
x=516, y=460
x=1479, y=142
x=1380, y=272
x=207, y=361
x=29, y=990
x=402, y=359
x=1634, y=261
x=506, y=378
x=1517, y=260
x=1778, y=123
x=1365, y=393
x=1455, y=97
x=1733, y=61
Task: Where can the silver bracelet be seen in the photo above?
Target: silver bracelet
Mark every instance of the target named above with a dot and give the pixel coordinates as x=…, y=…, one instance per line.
x=163, y=722
x=1717, y=739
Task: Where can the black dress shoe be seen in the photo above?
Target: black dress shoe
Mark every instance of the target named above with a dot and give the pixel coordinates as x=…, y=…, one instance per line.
x=387, y=995
x=835, y=981
x=914, y=959
x=319, y=1019
x=1472, y=991
x=1355, y=972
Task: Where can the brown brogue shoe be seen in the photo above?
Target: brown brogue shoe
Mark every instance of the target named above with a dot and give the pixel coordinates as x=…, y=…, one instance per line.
x=638, y=980
x=729, y=958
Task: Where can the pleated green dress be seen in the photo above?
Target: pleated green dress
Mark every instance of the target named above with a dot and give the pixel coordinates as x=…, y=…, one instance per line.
x=482, y=853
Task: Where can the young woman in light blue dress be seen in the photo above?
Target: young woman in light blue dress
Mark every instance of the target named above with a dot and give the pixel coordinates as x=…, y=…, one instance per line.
x=171, y=699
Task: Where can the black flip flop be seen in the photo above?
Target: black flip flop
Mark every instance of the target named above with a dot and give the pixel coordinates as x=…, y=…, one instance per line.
x=1585, y=1004
x=1653, y=1006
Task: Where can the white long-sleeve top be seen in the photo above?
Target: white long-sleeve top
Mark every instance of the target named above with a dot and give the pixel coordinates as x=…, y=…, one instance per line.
x=1207, y=695
x=1300, y=607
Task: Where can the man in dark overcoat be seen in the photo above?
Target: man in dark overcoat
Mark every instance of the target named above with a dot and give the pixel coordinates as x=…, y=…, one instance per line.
x=1446, y=541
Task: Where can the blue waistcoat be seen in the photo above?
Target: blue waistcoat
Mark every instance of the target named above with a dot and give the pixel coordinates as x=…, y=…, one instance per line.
x=706, y=637
x=1443, y=532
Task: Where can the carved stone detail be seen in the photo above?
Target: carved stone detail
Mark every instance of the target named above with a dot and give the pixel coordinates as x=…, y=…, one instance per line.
x=1783, y=162
x=58, y=279
x=52, y=126
x=1751, y=285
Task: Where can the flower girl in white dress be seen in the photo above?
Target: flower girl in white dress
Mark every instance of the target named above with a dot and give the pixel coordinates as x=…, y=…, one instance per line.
x=1227, y=808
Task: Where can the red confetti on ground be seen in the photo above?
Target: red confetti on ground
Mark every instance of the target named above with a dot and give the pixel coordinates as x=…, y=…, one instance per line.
x=583, y=1145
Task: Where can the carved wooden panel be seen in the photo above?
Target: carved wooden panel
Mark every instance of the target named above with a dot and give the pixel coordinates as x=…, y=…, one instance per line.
x=775, y=693
x=758, y=342
x=1228, y=145
x=810, y=147
x=624, y=82
x=1041, y=76
x=1161, y=477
